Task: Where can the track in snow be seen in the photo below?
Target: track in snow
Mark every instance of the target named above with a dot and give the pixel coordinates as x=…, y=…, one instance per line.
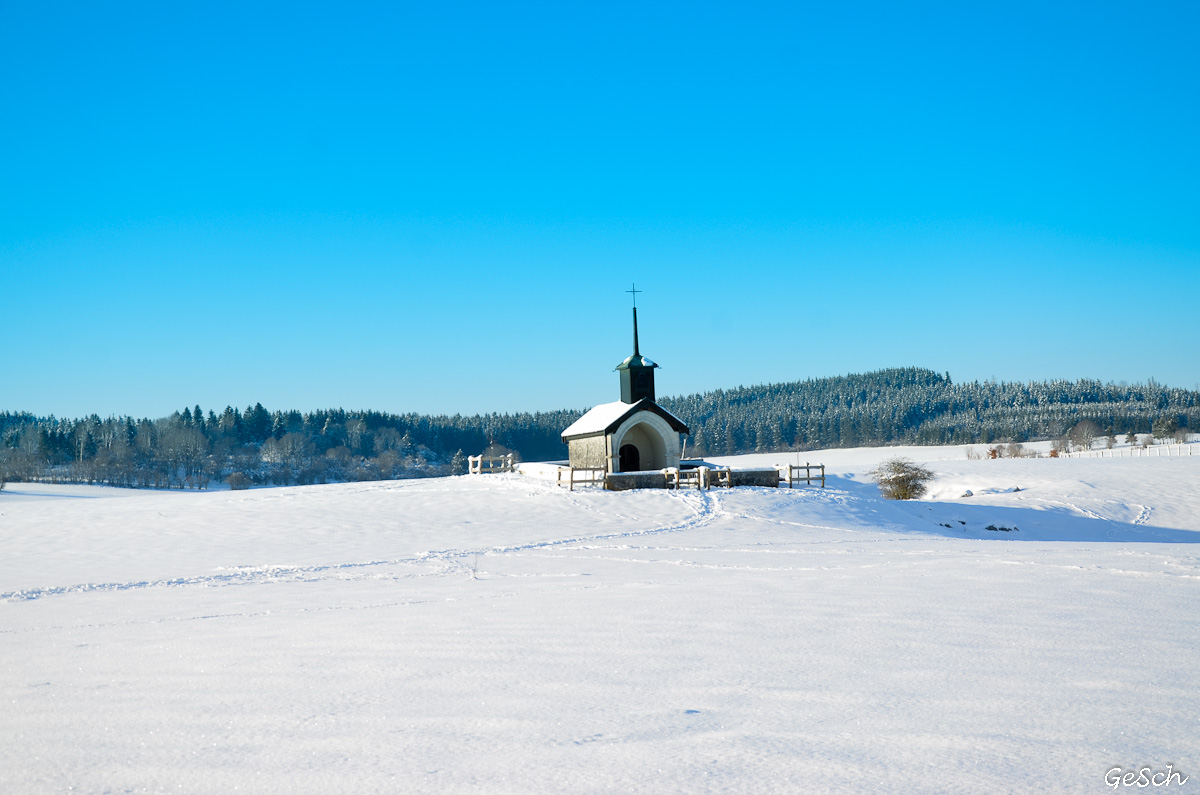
x=434, y=563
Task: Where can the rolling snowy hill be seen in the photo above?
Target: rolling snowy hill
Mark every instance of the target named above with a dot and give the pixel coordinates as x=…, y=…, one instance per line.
x=500, y=634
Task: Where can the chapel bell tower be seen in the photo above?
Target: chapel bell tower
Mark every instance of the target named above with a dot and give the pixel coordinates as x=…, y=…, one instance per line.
x=637, y=373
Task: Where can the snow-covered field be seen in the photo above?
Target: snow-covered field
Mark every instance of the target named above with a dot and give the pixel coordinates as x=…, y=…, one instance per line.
x=499, y=634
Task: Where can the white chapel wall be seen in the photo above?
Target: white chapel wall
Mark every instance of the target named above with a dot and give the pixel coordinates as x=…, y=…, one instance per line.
x=589, y=451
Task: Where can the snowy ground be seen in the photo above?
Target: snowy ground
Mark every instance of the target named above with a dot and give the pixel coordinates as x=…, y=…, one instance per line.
x=498, y=634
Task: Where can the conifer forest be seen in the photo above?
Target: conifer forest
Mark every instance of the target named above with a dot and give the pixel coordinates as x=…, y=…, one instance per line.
x=194, y=447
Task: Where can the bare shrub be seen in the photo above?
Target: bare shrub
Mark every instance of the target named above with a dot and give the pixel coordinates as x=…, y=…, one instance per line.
x=1084, y=433
x=238, y=481
x=901, y=479
x=1006, y=450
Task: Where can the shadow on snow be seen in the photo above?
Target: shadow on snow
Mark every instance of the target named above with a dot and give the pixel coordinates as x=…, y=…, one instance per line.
x=961, y=519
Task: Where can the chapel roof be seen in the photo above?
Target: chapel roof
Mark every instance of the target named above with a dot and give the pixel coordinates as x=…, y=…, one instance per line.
x=606, y=417
x=635, y=360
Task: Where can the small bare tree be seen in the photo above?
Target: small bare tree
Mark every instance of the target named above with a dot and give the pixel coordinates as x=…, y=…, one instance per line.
x=901, y=479
x=1084, y=433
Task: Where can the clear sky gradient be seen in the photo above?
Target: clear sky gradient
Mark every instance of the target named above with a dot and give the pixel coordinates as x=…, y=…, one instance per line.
x=436, y=207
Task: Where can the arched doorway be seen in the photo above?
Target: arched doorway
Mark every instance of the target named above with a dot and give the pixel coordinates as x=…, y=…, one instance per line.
x=630, y=458
x=641, y=448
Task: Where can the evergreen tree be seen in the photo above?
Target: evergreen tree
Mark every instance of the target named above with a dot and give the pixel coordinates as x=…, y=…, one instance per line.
x=256, y=423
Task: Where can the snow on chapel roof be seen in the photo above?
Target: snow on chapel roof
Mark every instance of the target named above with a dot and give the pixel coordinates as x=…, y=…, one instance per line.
x=598, y=418
x=607, y=416
x=635, y=360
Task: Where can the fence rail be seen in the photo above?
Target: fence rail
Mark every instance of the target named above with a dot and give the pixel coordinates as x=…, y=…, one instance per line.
x=1154, y=451
x=703, y=478
x=590, y=475
x=503, y=463
x=791, y=473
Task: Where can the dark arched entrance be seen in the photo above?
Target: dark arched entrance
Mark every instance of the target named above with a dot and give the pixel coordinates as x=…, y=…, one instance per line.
x=631, y=459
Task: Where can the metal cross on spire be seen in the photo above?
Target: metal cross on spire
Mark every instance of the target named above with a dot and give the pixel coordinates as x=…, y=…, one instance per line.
x=635, y=291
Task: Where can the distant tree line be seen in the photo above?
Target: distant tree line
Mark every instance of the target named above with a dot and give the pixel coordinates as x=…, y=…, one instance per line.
x=921, y=407
x=193, y=448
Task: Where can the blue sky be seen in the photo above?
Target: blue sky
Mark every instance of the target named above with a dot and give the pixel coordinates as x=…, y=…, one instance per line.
x=437, y=207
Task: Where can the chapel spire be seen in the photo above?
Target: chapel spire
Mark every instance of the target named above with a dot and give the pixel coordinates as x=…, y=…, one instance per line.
x=637, y=372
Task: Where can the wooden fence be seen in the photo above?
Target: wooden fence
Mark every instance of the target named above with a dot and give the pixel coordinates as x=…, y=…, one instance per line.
x=793, y=476
x=591, y=475
x=476, y=464
x=702, y=478
x=1154, y=451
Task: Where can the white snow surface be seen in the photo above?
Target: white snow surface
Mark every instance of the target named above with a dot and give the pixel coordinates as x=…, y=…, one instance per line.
x=499, y=634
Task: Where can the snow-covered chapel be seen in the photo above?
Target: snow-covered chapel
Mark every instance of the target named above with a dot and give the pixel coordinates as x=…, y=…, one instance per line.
x=633, y=434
